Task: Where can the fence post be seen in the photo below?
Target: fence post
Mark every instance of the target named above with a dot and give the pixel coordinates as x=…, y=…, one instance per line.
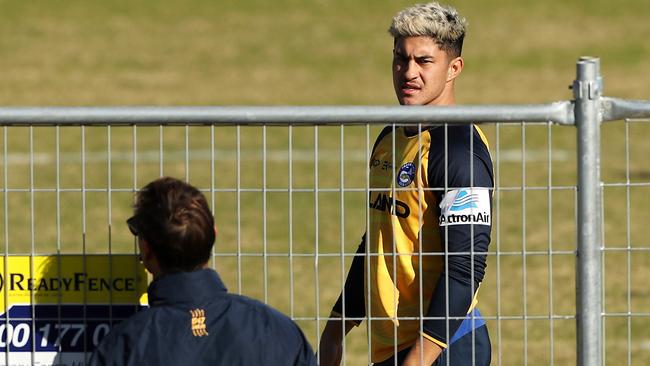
x=587, y=89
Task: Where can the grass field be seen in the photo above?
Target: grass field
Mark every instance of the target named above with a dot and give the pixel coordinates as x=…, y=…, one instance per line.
x=290, y=52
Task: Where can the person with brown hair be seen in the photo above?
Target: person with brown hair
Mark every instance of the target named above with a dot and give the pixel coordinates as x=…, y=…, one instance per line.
x=192, y=319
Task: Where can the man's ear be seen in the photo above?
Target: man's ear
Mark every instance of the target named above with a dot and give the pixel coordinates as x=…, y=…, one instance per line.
x=455, y=68
x=146, y=253
x=148, y=258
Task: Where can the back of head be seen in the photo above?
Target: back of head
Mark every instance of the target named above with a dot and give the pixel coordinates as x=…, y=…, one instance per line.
x=440, y=22
x=175, y=219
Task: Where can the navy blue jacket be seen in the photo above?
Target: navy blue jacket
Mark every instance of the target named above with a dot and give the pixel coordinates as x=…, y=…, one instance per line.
x=193, y=320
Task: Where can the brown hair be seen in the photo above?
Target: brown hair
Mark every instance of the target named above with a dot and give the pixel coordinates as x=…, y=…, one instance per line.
x=175, y=219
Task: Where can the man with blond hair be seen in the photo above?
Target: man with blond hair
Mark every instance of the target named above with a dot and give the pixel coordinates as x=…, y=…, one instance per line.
x=417, y=271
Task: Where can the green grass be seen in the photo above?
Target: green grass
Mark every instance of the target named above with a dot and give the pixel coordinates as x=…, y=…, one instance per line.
x=324, y=53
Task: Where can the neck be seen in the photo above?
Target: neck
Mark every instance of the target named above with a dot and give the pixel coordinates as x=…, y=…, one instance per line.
x=157, y=272
x=447, y=98
x=413, y=130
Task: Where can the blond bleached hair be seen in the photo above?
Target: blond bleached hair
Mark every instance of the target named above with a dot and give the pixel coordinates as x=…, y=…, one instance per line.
x=440, y=22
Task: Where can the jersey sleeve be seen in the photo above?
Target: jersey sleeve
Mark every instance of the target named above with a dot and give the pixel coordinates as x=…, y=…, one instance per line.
x=351, y=301
x=460, y=172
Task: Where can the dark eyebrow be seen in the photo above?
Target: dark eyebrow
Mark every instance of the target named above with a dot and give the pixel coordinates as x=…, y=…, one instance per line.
x=399, y=55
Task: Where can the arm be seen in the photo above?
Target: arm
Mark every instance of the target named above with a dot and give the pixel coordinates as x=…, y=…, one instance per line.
x=463, y=271
x=434, y=338
x=457, y=285
x=331, y=343
x=108, y=351
x=97, y=358
x=424, y=350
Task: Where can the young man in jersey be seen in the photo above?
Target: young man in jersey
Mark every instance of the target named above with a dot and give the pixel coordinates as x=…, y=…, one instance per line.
x=192, y=319
x=423, y=257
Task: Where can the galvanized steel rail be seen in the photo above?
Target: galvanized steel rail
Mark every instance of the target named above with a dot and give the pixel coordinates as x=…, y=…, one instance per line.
x=560, y=112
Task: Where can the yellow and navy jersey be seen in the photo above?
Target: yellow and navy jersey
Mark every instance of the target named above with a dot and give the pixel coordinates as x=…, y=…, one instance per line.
x=424, y=252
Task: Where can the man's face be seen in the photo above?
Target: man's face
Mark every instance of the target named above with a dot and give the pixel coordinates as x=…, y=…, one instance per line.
x=423, y=73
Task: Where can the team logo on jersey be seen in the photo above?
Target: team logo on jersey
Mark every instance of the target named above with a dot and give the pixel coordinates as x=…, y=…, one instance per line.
x=198, y=323
x=406, y=174
x=466, y=206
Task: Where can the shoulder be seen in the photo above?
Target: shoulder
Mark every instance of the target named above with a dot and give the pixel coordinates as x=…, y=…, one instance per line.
x=288, y=340
x=455, y=152
x=387, y=130
x=458, y=138
x=382, y=134
x=265, y=319
x=458, y=142
x=244, y=305
x=266, y=322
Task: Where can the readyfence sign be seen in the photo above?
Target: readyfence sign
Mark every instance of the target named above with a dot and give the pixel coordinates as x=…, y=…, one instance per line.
x=56, y=309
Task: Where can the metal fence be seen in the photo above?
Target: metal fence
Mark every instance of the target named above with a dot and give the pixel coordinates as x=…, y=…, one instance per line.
x=569, y=252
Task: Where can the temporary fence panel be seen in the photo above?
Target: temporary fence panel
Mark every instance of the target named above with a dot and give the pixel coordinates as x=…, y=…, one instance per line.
x=626, y=250
x=289, y=190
